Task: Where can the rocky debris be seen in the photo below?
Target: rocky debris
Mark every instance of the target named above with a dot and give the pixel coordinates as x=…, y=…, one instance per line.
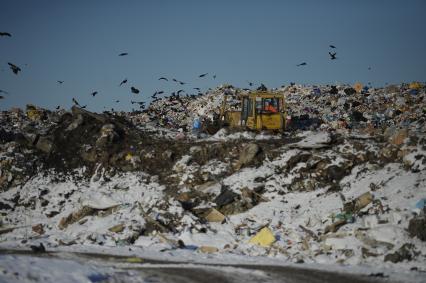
x=208, y=249
x=38, y=249
x=215, y=216
x=117, y=228
x=247, y=154
x=38, y=229
x=417, y=227
x=359, y=203
x=83, y=212
x=405, y=252
x=298, y=194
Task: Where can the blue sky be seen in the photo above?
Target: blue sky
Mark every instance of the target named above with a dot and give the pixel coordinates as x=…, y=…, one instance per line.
x=78, y=41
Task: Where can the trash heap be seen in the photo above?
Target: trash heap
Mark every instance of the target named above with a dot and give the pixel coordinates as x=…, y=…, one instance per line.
x=329, y=107
x=354, y=194
x=179, y=111
x=344, y=107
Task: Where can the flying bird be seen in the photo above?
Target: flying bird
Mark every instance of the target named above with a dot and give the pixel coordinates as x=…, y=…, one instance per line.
x=2, y=91
x=5, y=34
x=197, y=88
x=160, y=92
x=60, y=82
x=163, y=78
x=302, y=64
x=203, y=75
x=250, y=83
x=214, y=76
x=57, y=107
x=332, y=46
x=180, y=82
x=134, y=90
x=123, y=54
x=123, y=82
x=179, y=91
x=75, y=102
x=94, y=93
x=332, y=55
x=15, y=69
x=117, y=101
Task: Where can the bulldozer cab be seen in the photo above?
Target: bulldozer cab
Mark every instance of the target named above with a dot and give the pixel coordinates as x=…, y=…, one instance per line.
x=258, y=111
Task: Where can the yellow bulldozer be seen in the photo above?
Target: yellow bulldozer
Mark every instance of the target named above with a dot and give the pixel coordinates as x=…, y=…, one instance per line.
x=258, y=110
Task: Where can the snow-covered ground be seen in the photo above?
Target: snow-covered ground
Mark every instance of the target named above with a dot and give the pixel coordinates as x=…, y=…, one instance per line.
x=115, y=214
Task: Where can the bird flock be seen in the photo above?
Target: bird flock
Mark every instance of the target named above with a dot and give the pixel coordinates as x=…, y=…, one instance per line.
x=332, y=56
x=133, y=89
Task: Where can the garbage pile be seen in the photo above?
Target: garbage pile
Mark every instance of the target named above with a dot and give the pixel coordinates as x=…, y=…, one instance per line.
x=179, y=111
x=332, y=195
x=329, y=107
x=347, y=107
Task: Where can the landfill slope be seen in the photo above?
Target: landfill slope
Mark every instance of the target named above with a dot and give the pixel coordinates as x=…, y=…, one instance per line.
x=345, y=184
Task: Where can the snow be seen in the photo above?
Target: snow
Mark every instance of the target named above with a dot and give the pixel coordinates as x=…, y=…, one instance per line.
x=130, y=195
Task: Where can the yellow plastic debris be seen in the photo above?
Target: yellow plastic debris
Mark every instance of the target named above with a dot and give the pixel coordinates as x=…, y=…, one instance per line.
x=129, y=157
x=134, y=260
x=263, y=238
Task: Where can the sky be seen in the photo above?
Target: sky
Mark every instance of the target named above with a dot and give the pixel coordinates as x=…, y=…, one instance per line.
x=78, y=42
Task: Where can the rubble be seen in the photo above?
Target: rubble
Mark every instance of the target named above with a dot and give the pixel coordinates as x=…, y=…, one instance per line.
x=339, y=186
x=417, y=227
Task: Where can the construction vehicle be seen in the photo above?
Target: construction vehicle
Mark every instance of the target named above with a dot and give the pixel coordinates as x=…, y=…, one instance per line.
x=258, y=110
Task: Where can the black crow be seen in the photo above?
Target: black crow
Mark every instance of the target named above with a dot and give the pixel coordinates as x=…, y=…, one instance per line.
x=301, y=64
x=123, y=82
x=2, y=91
x=179, y=91
x=214, y=76
x=332, y=46
x=197, y=88
x=38, y=249
x=5, y=34
x=15, y=69
x=203, y=75
x=1, y=97
x=332, y=55
x=60, y=82
x=163, y=78
x=94, y=93
x=117, y=101
x=250, y=83
x=75, y=101
x=160, y=92
x=134, y=90
x=57, y=107
x=123, y=54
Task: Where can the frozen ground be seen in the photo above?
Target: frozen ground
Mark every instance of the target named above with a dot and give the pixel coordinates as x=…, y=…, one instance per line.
x=112, y=265
x=115, y=215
